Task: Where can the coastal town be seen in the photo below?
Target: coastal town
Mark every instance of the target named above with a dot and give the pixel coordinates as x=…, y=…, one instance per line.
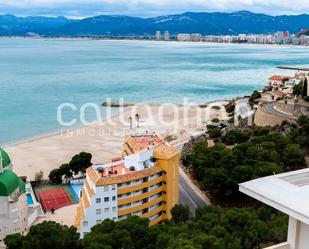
x=143, y=176
x=278, y=38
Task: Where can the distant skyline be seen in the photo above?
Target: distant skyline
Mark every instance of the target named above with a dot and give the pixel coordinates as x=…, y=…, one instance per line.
x=147, y=8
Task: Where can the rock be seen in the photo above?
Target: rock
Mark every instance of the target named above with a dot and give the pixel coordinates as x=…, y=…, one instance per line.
x=116, y=104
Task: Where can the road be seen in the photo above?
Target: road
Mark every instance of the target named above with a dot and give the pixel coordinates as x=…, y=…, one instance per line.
x=270, y=107
x=189, y=193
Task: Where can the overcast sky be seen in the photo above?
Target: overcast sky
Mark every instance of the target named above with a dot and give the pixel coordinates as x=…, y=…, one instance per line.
x=146, y=8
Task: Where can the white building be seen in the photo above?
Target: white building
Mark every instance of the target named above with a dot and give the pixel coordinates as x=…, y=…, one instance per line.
x=166, y=36
x=279, y=37
x=288, y=193
x=183, y=37
x=158, y=35
x=196, y=37
x=143, y=182
x=13, y=205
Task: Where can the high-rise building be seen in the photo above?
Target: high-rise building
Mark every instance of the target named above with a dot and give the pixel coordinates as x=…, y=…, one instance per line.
x=279, y=37
x=13, y=205
x=143, y=182
x=166, y=36
x=158, y=35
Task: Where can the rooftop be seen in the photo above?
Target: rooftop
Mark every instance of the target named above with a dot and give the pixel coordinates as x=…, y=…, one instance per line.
x=5, y=158
x=144, y=150
x=287, y=192
x=143, y=141
x=279, y=77
x=113, y=170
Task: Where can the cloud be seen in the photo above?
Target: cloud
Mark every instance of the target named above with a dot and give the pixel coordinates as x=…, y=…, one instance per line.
x=81, y=8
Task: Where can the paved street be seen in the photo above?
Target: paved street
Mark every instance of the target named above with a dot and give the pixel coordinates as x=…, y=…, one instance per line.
x=189, y=194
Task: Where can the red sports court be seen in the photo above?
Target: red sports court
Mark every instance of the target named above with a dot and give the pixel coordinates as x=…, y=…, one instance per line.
x=54, y=198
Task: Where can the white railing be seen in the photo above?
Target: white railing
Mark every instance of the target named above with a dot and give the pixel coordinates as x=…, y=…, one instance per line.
x=284, y=245
x=77, y=181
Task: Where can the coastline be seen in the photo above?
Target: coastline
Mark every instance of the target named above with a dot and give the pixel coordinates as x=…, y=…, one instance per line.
x=103, y=139
x=80, y=126
x=151, y=40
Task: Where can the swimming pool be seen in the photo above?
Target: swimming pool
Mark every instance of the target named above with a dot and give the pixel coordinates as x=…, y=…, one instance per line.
x=76, y=189
x=29, y=199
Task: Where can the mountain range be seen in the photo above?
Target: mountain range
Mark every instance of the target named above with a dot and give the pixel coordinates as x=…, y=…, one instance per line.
x=216, y=23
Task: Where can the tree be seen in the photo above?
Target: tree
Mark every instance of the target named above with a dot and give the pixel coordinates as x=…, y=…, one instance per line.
x=14, y=241
x=293, y=156
x=215, y=132
x=55, y=176
x=212, y=228
x=65, y=170
x=80, y=162
x=46, y=235
x=180, y=214
x=298, y=89
x=254, y=96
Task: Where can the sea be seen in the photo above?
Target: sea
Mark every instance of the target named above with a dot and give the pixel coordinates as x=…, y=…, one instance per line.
x=38, y=75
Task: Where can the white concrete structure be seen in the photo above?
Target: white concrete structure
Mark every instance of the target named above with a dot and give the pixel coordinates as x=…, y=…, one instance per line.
x=166, y=36
x=13, y=205
x=158, y=35
x=144, y=182
x=288, y=193
x=183, y=37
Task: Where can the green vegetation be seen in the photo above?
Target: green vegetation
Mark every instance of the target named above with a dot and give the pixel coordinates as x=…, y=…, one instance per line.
x=215, y=107
x=212, y=228
x=78, y=164
x=301, y=89
x=259, y=152
x=215, y=132
x=47, y=235
x=254, y=96
x=230, y=107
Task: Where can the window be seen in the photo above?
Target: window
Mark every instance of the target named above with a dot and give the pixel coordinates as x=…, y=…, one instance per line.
x=113, y=187
x=114, y=209
x=98, y=211
x=114, y=198
x=106, y=199
x=106, y=210
x=98, y=221
x=85, y=233
x=119, y=185
x=105, y=188
x=85, y=223
x=98, y=200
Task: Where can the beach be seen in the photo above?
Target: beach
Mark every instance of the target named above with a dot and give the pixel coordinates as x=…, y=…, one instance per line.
x=104, y=139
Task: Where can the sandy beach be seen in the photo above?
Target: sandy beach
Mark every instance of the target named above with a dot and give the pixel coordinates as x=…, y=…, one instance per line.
x=104, y=139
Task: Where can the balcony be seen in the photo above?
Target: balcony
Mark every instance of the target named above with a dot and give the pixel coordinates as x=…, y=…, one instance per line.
x=284, y=245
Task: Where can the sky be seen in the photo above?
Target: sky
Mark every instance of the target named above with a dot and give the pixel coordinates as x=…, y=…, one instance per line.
x=147, y=8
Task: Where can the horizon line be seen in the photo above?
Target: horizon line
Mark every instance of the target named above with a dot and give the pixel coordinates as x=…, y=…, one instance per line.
x=149, y=17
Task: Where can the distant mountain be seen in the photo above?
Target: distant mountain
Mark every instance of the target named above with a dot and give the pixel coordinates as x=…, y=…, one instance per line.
x=190, y=22
x=12, y=25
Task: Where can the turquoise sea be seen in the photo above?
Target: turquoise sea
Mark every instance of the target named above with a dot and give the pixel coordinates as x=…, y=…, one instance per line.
x=37, y=75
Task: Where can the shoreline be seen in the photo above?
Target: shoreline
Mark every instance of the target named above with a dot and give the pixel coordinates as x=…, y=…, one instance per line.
x=151, y=40
x=81, y=126
x=104, y=139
